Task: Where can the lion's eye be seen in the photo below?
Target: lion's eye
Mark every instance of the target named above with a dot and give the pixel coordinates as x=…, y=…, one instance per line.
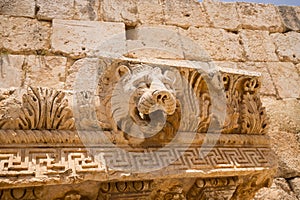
x=142, y=85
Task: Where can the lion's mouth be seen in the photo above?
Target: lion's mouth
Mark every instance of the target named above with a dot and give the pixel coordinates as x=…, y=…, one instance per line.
x=154, y=117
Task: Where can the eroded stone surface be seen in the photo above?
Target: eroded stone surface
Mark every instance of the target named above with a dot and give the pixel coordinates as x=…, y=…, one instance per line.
x=50, y=9
x=11, y=74
x=287, y=46
x=17, y=8
x=154, y=41
x=290, y=16
x=45, y=71
x=120, y=11
x=286, y=79
x=258, y=45
x=150, y=12
x=259, y=16
x=77, y=9
x=284, y=127
x=279, y=190
x=23, y=34
x=222, y=15
x=79, y=38
x=185, y=13
x=87, y=10
x=217, y=44
x=295, y=186
x=39, y=71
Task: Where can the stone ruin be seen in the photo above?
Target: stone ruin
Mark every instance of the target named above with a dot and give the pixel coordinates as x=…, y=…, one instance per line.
x=148, y=100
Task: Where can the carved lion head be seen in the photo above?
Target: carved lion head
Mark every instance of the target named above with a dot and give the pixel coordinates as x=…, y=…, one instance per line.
x=143, y=102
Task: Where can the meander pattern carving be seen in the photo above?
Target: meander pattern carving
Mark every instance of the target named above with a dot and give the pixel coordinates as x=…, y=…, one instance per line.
x=38, y=162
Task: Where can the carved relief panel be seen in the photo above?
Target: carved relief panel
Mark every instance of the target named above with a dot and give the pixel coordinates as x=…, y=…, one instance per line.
x=147, y=120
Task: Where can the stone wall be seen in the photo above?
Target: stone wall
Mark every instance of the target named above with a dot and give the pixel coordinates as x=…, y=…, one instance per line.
x=42, y=41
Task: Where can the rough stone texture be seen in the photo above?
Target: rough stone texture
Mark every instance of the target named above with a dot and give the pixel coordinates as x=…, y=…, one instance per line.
x=259, y=16
x=279, y=190
x=40, y=71
x=290, y=17
x=17, y=8
x=222, y=15
x=267, y=87
x=218, y=44
x=150, y=12
x=50, y=9
x=11, y=71
x=45, y=71
x=185, y=13
x=23, y=34
x=86, y=66
x=298, y=68
x=286, y=79
x=69, y=9
x=287, y=46
x=283, y=130
x=87, y=9
x=120, y=11
x=79, y=38
x=258, y=45
x=295, y=185
x=154, y=41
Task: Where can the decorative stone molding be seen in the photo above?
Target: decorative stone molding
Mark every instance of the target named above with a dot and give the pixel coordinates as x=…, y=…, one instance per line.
x=141, y=130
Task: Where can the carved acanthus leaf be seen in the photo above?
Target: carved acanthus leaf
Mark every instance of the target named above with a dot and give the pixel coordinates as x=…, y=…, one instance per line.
x=41, y=109
x=254, y=118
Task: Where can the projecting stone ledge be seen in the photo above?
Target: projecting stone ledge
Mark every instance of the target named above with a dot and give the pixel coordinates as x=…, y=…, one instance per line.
x=136, y=129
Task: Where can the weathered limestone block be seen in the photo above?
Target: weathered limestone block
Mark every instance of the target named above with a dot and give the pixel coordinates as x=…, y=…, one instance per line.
x=120, y=11
x=154, y=41
x=69, y=9
x=279, y=190
x=17, y=8
x=87, y=10
x=295, y=185
x=259, y=16
x=283, y=129
x=80, y=38
x=185, y=13
x=45, y=71
x=258, y=45
x=222, y=15
x=217, y=44
x=267, y=87
x=291, y=17
x=150, y=12
x=85, y=66
x=23, y=34
x=11, y=74
x=285, y=78
x=287, y=46
x=55, y=9
x=39, y=71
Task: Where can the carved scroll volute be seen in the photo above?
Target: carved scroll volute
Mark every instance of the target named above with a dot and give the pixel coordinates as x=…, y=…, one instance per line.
x=41, y=109
x=253, y=115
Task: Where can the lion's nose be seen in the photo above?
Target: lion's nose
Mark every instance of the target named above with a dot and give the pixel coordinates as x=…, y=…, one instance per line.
x=161, y=96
